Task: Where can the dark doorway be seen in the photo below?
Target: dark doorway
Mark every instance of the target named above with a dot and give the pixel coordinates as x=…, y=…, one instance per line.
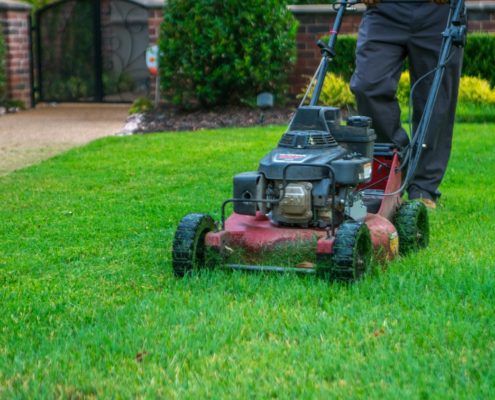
x=91, y=50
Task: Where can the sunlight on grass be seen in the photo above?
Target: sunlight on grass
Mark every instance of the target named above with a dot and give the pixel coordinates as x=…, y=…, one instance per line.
x=89, y=305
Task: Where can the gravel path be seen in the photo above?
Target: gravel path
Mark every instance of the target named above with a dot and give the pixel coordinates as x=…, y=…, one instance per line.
x=29, y=137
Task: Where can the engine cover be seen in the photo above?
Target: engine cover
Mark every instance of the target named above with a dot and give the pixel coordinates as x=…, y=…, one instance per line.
x=295, y=208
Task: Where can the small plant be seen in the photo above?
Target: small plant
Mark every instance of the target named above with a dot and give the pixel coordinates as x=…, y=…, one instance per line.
x=476, y=91
x=76, y=87
x=15, y=104
x=141, y=105
x=472, y=90
x=335, y=92
x=404, y=89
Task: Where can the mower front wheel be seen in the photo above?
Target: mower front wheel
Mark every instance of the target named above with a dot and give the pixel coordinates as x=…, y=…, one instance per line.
x=411, y=222
x=352, y=252
x=188, y=249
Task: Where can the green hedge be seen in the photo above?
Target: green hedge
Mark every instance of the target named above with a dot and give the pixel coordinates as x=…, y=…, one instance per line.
x=215, y=52
x=479, y=56
x=3, y=72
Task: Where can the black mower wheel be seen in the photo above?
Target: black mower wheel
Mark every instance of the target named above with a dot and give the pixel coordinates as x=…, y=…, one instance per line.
x=352, y=252
x=188, y=249
x=411, y=222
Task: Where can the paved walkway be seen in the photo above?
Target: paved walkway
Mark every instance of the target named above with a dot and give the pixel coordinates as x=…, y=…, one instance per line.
x=29, y=137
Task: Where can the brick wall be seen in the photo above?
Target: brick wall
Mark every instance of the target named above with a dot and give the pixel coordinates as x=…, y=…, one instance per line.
x=14, y=22
x=316, y=20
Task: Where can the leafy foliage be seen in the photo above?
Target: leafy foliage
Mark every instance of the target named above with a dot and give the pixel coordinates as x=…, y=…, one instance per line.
x=3, y=72
x=37, y=4
x=67, y=73
x=476, y=97
x=141, y=105
x=336, y=92
x=215, y=52
x=344, y=63
x=476, y=90
x=472, y=90
x=404, y=89
x=479, y=56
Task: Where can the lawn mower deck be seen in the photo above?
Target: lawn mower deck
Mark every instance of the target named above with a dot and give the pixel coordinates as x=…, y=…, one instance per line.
x=257, y=235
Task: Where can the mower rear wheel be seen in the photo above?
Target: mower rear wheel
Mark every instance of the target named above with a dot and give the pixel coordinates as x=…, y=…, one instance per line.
x=352, y=252
x=411, y=222
x=188, y=249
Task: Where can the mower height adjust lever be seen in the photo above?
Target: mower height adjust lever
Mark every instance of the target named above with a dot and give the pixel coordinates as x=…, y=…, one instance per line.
x=326, y=50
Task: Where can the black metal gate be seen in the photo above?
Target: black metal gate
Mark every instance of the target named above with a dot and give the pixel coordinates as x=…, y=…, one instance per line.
x=91, y=50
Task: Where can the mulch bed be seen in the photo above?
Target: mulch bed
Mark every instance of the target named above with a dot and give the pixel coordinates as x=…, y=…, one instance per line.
x=170, y=119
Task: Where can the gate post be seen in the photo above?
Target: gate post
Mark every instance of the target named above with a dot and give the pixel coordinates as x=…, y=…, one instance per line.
x=15, y=26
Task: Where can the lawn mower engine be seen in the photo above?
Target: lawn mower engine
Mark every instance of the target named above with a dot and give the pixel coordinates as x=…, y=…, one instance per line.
x=310, y=179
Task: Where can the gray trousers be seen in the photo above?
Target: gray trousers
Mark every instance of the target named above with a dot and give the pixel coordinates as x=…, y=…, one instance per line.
x=387, y=35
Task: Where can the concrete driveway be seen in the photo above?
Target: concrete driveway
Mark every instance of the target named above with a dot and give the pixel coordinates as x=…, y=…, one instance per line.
x=29, y=137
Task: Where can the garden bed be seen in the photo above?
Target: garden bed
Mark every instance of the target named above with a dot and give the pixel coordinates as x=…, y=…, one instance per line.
x=172, y=119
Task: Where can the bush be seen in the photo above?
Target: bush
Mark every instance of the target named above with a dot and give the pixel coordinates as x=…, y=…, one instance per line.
x=141, y=105
x=335, y=92
x=3, y=72
x=472, y=91
x=404, y=89
x=479, y=56
x=222, y=51
x=475, y=91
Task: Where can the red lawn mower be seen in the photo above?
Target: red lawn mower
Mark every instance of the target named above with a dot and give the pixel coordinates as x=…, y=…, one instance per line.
x=326, y=199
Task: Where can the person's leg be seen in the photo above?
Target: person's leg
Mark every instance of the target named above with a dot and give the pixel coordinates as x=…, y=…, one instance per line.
x=380, y=53
x=423, y=49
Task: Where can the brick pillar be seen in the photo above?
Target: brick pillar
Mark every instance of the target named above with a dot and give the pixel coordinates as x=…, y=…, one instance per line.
x=154, y=20
x=14, y=22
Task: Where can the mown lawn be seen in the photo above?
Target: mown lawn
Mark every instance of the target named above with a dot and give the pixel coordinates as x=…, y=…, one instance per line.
x=89, y=306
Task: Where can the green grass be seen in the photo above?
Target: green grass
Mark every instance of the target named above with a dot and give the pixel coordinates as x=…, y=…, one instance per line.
x=89, y=306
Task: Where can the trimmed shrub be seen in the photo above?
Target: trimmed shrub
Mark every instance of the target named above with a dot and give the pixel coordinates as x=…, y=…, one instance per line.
x=479, y=56
x=3, y=72
x=335, y=92
x=344, y=63
x=141, y=105
x=474, y=90
x=221, y=51
x=404, y=89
